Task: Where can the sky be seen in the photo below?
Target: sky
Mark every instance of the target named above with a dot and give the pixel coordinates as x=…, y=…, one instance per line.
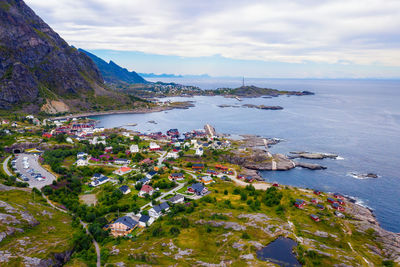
x=269, y=38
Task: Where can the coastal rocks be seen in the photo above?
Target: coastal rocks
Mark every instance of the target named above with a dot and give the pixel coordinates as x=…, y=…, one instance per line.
x=263, y=107
x=238, y=246
x=247, y=257
x=310, y=166
x=309, y=155
x=363, y=175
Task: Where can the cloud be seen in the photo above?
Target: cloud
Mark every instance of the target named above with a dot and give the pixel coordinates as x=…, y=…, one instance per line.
x=294, y=31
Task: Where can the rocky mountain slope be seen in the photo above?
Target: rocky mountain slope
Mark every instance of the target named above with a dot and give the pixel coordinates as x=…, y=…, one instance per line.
x=113, y=73
x=39, y=68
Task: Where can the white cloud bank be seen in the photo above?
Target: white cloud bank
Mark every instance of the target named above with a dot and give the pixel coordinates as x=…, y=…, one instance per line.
x=327, y=31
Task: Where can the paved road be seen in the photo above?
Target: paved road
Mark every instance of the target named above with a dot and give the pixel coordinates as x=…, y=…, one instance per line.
x=5, y=166
x=34, y=164
x=181, y=185
x=96, y=245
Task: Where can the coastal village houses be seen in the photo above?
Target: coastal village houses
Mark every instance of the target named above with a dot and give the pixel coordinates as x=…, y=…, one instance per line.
x=146, y=189
x=157, y=211
x=134, y=149
x=123, y=226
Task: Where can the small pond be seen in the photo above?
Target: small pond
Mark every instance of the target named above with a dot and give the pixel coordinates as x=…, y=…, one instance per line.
x=279, y=252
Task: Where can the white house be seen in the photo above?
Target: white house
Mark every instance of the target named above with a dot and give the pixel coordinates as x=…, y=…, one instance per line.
x=69, y=140
x=100, y=181
x=123, y=170
x=145, y=220
x=176, y=199
x=157, y=211
x=81, y=155
x=154, y=146
x=199, y=151
x=173, y=155
x=81, y=162
x=134, y=149
x=122, y=161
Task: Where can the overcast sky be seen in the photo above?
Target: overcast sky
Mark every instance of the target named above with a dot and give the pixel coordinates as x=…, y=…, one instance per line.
x=285, y=38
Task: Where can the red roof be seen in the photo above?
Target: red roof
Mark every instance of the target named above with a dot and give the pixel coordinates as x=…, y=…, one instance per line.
x=147, y=188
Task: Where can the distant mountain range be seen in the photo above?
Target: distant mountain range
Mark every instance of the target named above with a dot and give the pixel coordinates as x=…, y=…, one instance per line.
x=113, y=73
x=165, y=75
x=39, y=70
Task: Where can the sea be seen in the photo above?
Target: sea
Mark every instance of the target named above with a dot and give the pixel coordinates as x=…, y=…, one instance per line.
x=357, y=119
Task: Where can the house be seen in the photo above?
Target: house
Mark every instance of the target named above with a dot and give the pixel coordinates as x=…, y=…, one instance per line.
x=69, y=140
x=100, y=181
x=154, y=147
x=249, y=179
x=134, y=148
x=299, y=203
x=176, y=199
x=123, y=226
x=157, y=211
x=125, y=189
x=81, y=162
x=338, y=195
x=97, y=176
x=122, y=161
x=146, y=189
x=47, y=135
x=81, y=155
x=176, y=177
x=336, y=206
x=173, y=155
x=340, y=202
x=275, y=184
x=199, y=151
x=150, y=174
x=317, y=192
x=331, y=200
x=123, y=170
x=221, y=167
x=339, y=214
x=198, y=166
x=213, y=172
x=314, y=217
x=146, y=162
x=321, y=207
x=145, y=180
x=206, y=180
x=198, y=189
x=108, y=149
x=145, y=220
x=314, y=200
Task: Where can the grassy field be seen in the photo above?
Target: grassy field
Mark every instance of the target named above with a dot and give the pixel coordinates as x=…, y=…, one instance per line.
x=52, y=235
x=226, y=227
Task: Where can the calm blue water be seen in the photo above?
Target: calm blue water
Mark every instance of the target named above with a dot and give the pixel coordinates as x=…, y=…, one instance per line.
x=357, y=119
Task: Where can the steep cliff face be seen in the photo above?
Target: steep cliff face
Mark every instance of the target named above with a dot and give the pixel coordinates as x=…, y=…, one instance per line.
x=36, y=63
x=113, y=73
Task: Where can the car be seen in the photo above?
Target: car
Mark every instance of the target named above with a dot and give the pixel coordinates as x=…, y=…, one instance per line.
x=26, y=179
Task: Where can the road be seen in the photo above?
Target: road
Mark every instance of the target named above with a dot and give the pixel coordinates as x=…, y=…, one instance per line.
x=96, y=245
x=34, y=164
x=5, y=166
x=181, y=185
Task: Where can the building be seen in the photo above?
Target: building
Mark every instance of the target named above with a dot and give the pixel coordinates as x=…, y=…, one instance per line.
x=81, y=162
x=199, y=151
x=108, y=149
x=102, y=180
x=206, y=180
x=123, y=226
x=125, y=189
x=299, y=203
x=314, y=217
x=198, y=189
x=146, y=162
x=154, y=146
x=176, y=199
x=150, y=174
x=122, y=161
x=123, y=170
x=198, y=166
x=81, y=155
x=134, y=148
x=157, y=211
x=176, y=177
x=145, y=220
x=146, y=189
x=173, y=155
x=144, y=180
x=331, y=200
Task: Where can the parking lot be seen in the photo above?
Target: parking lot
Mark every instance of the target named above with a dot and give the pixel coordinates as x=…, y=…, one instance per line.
x=28, y=167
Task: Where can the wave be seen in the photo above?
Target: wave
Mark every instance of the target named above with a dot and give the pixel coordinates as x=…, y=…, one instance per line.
x=339, y=158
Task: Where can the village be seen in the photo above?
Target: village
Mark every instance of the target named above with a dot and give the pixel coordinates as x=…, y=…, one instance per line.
x=159, y=169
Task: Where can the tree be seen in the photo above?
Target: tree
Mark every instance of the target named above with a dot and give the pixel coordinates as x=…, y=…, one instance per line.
x=174, y=231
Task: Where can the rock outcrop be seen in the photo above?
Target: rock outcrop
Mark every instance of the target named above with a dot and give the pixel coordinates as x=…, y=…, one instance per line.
x=37, y=65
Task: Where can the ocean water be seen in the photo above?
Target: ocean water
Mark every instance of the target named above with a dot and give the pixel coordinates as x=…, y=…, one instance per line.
x=357, y=119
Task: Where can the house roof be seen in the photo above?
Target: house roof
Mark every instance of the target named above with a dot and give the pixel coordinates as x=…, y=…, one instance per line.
x=175, y=198
x=207, y=178
x=197, y=187
x=152, y=173
x=122, y=160
x=144, y=218
x=124, y=169
x=176, y=174
x=102, y=179
x=147, y=188
x=198, y=165
x=144, y=180
x=128, y=221
x=161, y=207
x=124, y=188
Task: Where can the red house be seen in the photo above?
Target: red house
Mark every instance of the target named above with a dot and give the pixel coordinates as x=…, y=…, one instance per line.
x=299, y=203
x=317, y=192
x=336, y=206
x=341, y=202
x=220, y=167
x=331, y=200
x=338, y=195
x=314, y=217
x=275, y=184
x=314, y=200
x=47, y=135
x=176, y=176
